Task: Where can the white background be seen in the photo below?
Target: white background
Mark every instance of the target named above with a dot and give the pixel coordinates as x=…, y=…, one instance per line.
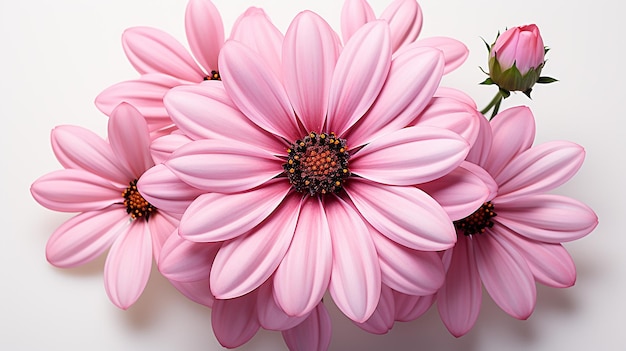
x=56, y=56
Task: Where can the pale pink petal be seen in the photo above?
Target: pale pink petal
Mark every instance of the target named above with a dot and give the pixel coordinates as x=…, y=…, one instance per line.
x=198, y=292
x=405, y=22
x=234, y=321
x=223, y=165
x=302, y=277
x=271, y=315
x=452, y=114
x=186, y=261
x=80, y=148
x=549, y=218
x=128, y=265
x=310, y=52
x=410, y=307
x=454, y=51
x=163, y=147
x=257, y=91
x=513, y=133
x=84, y=237
x=484, y=176
x=130, y=139
x=313, y=334
x=406, y=215
x=360, y=73
x=383, y=317
x=409, y=156
x=74, y=190
x=460, y=297
x=456, y=94
x=205, y=32
x=161, y=188
x=505, y=274
x=354, y=15
x=479, y=153
x=355, y=278
x=539, y=169
x=151, y=50
x=245, y=262
x=218, y=217
x=410, y=85
x=161, y=225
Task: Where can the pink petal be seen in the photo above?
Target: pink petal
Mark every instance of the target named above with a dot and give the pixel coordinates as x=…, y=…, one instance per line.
x=219, y=217
x=405, y=22
x=128, y=265
x=484, y=176
x=312, y=334
x=410, y=85
x=161, y=188
x=310, y=52
x=540, y=169
x=74, y=190
x=205, y=32
x=405, y=215
x=163, y=147
x=456, y=94
x=85, y=237
x=302, y=277
x=130, y=139
x=549, y=218
x=410, y=156
x=505, y=274
x=355, y=278
x=245, y=262
x=359, y=75
x=271, y=315
x=162, y=225
x=198, y=292
x=235, y=321
x=454, y=51
x=186, y=261
x=410, y=307
x=354, y=15
x=226, y=166
x=256, y=91
x=479, y=153
x=383, y=317
x=452, y=114
x=460, y=297
x=150, y=50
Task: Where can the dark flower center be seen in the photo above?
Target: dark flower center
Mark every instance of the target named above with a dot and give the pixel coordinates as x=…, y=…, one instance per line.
x=477, y=222
x=215, y=75
x=136, y=205
x=317, y=164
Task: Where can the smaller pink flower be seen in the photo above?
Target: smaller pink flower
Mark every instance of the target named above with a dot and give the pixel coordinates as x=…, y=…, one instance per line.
x=520, y=46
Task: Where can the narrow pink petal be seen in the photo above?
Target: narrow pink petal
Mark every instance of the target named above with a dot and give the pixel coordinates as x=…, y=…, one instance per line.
x=162, y=225
x=244, y=263
x=539, y=169
x=128, y=265
x=406, y=215
x=257, y=91
x=549, y=218
x=74, y=190
x=205, y=32
x=408, y=271
x=355, y=278
x=513, y=133
x=223, y=165
x=354, y=15
x=205, y=111
x=130, y=139
x=454, y=51
x=452, y=114
x=361, y=70
x=456, y=94
x=186, y=261
x=302, y=277
x=198, y=292
x=550, y=264
x=84, y=237
x=271, y=315
x=310, y=53
x=234, y=321
x=219, y=217
x=411, y=307
x=405, y=22
x=80, y=148
x=479, y=153
x=163, y=147
x=413, y=79
x=151, y=50
x=410, y=156
x=460, y=297
x=312, y=334
x=505, y=274
x=383, y=317
x=484, y=176
x=161, y=188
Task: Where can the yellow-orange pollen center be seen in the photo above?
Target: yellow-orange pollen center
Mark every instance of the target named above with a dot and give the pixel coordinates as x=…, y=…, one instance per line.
x=317, y=164
x=136, y=205
x=477, y=222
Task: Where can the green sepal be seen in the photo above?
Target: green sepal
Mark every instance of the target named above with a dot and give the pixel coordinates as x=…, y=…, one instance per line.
x=505, y=93
x=546, y=80
x=487, y=81
x=527, y=92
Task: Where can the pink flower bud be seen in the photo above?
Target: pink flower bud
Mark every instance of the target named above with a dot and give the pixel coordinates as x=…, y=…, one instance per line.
x=522, y=46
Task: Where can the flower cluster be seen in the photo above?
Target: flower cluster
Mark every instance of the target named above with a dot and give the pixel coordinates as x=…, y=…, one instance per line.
x=269, y=172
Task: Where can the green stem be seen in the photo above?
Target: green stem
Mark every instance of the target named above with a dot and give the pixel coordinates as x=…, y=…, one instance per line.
x=494, y=103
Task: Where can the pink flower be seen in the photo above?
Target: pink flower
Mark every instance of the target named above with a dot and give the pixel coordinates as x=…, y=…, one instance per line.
x=513, y=239
x=99, y=180
x=520, y=46
x=307, y=227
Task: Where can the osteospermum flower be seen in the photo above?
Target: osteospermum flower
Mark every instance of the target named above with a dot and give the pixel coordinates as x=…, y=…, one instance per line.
x=100, y=181
x=291, y=197
x=514, y=238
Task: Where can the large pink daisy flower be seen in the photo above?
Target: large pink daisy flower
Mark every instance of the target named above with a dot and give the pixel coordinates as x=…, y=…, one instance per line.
x=288, y=191
x=514, y=239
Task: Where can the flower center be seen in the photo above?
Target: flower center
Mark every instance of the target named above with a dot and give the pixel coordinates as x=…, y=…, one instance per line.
x=317, y=164
x=215, y=75
x=136, y=205
x=477, y=222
